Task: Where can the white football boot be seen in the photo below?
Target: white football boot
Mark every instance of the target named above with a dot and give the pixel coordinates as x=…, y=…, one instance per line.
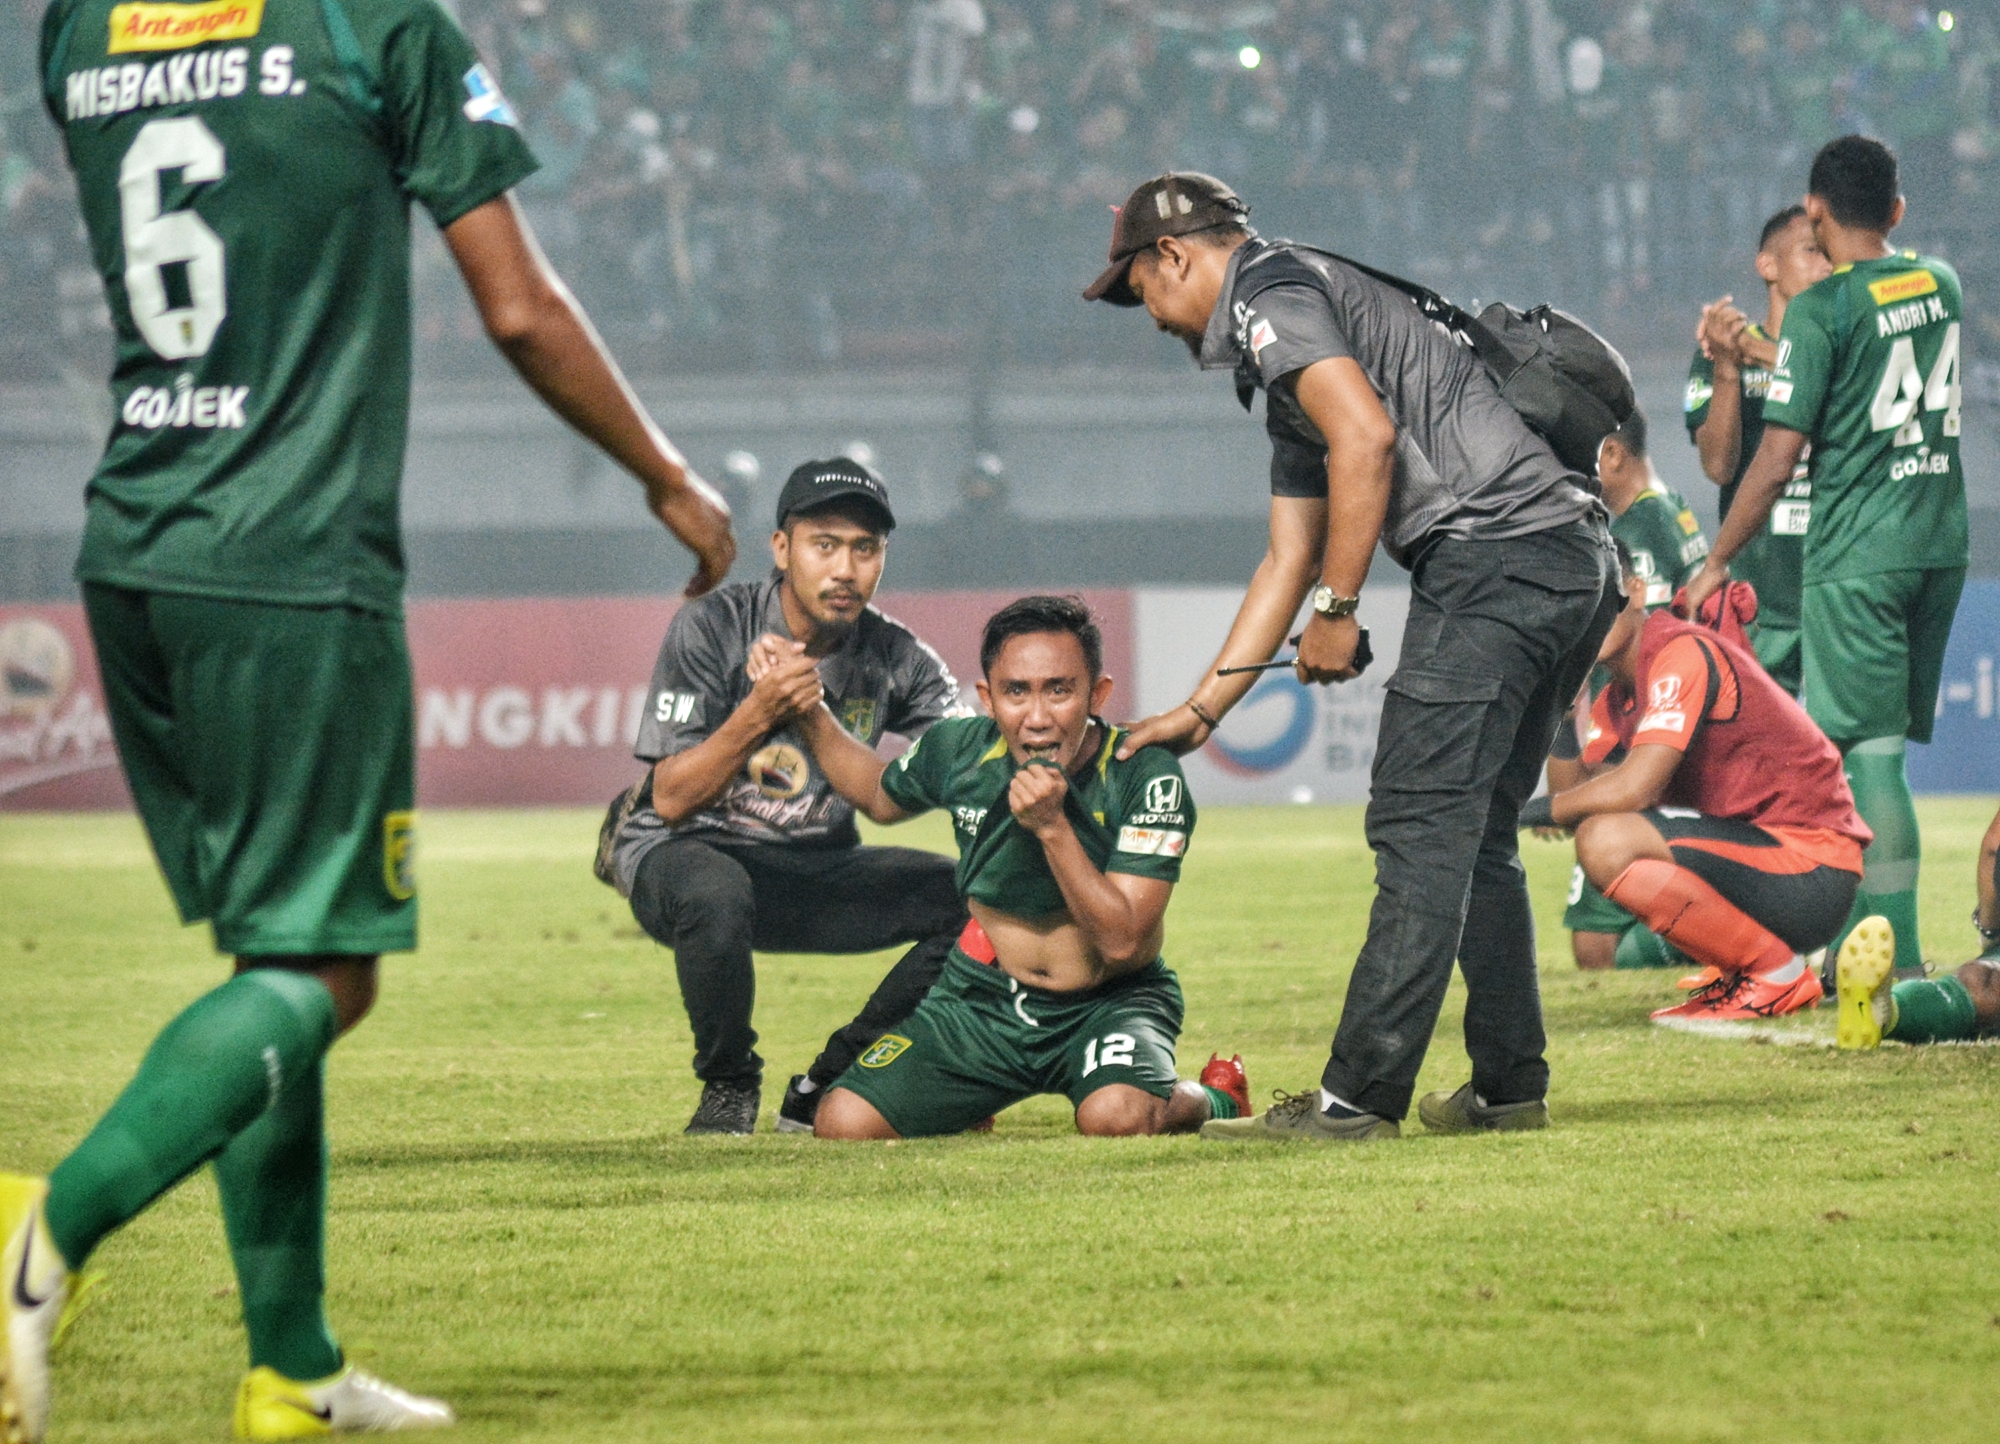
x=36, y=1282
x=270, y=1406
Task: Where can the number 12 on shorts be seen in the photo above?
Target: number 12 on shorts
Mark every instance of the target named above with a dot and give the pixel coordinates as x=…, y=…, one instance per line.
x=1111, y=1051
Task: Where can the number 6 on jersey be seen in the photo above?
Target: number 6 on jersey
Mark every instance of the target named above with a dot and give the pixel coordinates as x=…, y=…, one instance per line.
x=163, y=248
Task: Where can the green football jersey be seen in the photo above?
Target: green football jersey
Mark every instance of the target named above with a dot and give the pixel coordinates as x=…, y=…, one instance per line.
x=245, y=169
x=1774, y=560
x=1868, y=368
x=1133, y=816
x=1665, y=541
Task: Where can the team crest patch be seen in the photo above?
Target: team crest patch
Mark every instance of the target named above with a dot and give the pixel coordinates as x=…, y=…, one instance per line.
x=888, y=1048
x=149, y=26
x=857, y=715
x=399, y=846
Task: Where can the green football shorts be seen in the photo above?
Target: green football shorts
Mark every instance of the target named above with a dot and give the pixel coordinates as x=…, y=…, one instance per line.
x=1874, y=652
x=1590, y=911
x=269, y=749
x=981, y=1042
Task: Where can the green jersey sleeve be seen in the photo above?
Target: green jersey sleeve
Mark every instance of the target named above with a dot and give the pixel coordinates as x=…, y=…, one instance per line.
x=1804, y=373
x=1155, y=817
x=1700, y=391
x=919, y=779
x=457, y=141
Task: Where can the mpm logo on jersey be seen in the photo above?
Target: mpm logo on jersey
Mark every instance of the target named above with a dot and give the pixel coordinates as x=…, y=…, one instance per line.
x=146, y=26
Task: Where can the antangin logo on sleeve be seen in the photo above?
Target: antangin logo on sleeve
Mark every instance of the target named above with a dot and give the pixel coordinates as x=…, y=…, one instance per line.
x=1902, y=288
x=148, y=26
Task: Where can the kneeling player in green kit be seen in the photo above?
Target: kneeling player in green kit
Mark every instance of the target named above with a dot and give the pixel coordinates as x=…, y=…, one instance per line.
x=1873, y=1006
x=1067, y=857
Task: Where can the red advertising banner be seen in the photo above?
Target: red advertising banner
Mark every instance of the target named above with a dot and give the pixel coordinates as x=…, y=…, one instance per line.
x=519, y=702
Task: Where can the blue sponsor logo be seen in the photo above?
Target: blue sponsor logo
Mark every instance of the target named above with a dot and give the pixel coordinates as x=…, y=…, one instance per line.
x=1278, y=694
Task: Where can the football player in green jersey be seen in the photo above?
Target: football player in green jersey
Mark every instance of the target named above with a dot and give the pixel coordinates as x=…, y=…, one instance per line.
x=1867, y=371
x=246, y=169
x=1067, y=856
x=1663, y=541
x=1952, y=1009
x=1727, y=383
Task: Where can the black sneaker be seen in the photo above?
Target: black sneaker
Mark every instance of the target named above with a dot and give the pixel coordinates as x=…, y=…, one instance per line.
x=726, y=1108
x=796, y=1113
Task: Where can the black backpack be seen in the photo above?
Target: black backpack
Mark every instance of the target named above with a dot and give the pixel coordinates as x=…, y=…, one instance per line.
x=1568, y=382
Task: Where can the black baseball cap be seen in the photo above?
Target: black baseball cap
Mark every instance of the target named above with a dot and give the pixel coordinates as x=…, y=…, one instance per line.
x=1178, y=203
x=814, y=484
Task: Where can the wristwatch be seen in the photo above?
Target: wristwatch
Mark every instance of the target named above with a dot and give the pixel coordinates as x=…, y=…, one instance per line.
x=1329, y=605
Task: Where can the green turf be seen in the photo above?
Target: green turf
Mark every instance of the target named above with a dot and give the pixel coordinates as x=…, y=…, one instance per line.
x=1717, y=1241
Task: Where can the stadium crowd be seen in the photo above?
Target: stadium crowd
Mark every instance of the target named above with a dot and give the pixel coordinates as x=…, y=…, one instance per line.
x=742, y=183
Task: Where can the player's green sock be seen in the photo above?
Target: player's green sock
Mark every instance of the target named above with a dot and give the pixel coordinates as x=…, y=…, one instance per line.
x=273, y=1182
x=1889, y=883
x=1933, y=1010
x=209, y=1075
x=1640, y=947
x=1220, y=1104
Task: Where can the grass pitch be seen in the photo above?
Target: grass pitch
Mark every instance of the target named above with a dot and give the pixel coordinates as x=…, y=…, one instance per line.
x=1719, y=1240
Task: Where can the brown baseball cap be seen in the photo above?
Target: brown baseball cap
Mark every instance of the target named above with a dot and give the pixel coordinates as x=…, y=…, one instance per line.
x=1178, y=203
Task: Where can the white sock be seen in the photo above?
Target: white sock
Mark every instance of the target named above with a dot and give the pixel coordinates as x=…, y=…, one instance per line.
x=1327, y=1100
x=806, y=1085
x=1790, y=973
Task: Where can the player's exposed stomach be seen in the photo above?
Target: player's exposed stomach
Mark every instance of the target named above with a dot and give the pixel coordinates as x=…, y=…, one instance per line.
x=1048, y=952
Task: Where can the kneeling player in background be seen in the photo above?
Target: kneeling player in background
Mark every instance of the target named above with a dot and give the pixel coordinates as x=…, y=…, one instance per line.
x=1924, y=1010
x=1728, y=829
x=1664, y=544
x=1067, y=856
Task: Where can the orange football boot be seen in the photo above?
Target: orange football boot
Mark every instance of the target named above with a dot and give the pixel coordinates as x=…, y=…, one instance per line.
x=1739, y=996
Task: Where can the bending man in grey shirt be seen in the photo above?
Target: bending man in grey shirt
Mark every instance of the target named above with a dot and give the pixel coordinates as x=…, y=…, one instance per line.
x=1383, y=428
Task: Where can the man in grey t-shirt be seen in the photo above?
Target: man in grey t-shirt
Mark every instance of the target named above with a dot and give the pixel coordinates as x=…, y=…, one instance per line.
x=1385, y=429
x=733, y=839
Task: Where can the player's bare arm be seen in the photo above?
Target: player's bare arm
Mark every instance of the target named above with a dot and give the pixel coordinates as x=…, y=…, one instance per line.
x=537, y=324
x=852, y=767
x=688, y=781
x=1360, y=463
x=1719, y=438
x=1121, y=917
x=1777, y=457
x=1277, y=589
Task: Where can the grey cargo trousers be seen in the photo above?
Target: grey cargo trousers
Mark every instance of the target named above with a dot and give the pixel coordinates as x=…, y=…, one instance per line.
x=1501, y=634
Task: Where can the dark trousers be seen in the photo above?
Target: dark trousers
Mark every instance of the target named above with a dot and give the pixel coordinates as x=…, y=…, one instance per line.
x=1500, y=636
x=713, y=902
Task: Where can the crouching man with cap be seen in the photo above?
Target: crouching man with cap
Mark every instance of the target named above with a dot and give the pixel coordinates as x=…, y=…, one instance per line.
x=733, y=840
x=1383, y=428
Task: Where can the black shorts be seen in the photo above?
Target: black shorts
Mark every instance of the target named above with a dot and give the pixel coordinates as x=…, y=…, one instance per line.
x=1802, y=900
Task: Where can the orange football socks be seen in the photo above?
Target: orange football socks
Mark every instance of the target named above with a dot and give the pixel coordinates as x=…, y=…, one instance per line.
x=1697, y=919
